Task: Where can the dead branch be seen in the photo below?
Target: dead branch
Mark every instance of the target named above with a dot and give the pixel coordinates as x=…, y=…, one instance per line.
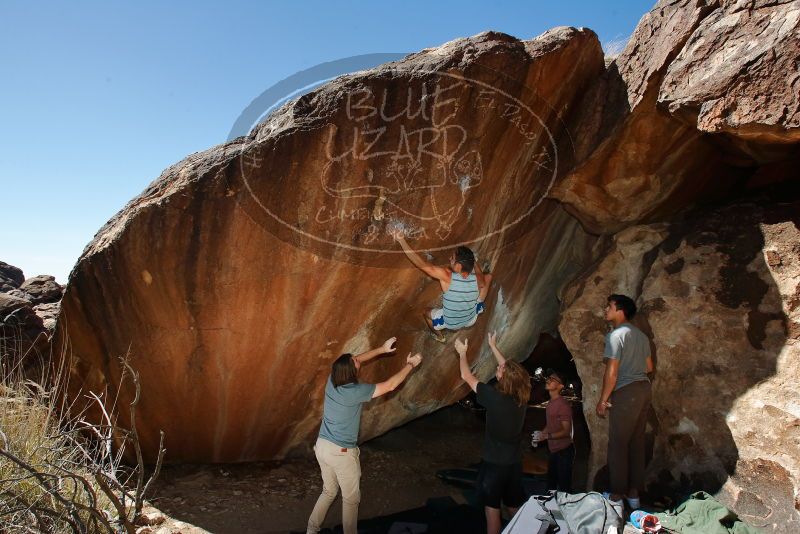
x=122, y=513
x=141, y=485
x=65, y=499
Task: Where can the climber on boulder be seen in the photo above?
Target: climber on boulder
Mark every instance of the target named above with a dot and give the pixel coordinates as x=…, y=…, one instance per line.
x=464, y=288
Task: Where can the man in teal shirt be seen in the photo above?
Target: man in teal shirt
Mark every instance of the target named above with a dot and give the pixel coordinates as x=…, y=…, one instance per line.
x=337, y=446
x=626, y=394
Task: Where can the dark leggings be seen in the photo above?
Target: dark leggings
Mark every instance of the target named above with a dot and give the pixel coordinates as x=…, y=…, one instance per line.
x=559, y=469
x=627, y=418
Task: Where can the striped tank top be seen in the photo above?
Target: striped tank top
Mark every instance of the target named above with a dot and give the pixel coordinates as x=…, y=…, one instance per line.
x=458, y=302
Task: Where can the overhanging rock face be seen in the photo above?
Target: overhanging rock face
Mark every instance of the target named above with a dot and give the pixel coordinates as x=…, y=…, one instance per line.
x=704, y=93
x=238, y=276
x=737, y=74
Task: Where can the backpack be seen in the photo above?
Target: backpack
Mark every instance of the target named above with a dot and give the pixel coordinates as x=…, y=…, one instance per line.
x=589, y=513
x=539, y=515
x=565, y=513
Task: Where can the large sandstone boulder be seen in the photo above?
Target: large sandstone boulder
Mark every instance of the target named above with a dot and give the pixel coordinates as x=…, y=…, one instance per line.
x=719, y=294
x=701, y=105
x=703, y=94
x=738, y=74
x=238, y=276
x=635, y=161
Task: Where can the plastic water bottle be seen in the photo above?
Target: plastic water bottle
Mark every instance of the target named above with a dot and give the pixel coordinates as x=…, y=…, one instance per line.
x=645, y=522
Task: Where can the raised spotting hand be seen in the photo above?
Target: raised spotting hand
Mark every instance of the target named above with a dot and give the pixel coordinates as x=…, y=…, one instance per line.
x=461, y=347
x=390, y=345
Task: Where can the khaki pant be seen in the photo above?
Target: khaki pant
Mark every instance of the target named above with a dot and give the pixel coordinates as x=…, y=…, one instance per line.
x=339, y=470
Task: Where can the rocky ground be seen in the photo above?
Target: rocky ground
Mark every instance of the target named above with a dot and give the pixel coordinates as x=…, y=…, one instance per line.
x=399, y=473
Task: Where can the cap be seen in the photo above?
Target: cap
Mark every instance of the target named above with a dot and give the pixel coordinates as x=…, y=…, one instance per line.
x=555, y=374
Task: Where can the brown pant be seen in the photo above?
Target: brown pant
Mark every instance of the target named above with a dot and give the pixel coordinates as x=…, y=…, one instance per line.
x=627, y=418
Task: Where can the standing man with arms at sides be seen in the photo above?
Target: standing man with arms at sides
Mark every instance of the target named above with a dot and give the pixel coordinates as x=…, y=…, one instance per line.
x=500, y=475
x=464, y=288
x=626, y=395
x=337, y=448
x=558, y=434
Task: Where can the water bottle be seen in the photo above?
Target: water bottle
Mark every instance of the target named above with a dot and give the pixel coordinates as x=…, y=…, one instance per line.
x=645, y=522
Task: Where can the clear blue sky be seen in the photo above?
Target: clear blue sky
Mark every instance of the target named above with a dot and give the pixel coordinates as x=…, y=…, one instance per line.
x=97, y=98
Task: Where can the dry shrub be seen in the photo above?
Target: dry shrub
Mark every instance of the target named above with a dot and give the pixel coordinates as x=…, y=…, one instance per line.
x=58, y=472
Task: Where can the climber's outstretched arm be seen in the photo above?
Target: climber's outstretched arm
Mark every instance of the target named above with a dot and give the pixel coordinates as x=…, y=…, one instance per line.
x=388, y=346
x=434, y=271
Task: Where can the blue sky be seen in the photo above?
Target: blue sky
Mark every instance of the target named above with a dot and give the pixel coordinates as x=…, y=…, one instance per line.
x=97, y=98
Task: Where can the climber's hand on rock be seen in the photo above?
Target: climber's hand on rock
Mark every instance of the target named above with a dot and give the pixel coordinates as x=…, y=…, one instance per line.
x=396, y=233
x=389, y=345
x=461, y=347
x=602, y=409
x=414, y=360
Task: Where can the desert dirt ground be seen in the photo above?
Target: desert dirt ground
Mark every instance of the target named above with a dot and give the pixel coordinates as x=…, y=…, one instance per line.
x=398, y=473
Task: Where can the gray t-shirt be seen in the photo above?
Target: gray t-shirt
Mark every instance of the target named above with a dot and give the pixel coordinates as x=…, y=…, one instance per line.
x=631, y=347
x=341, y=413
